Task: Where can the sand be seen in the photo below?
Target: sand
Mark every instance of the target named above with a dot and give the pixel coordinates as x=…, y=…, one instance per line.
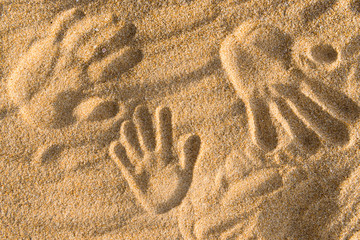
x=180, y=119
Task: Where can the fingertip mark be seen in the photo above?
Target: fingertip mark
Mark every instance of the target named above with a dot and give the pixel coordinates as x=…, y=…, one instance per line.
x=191, y=151
x=144, y=124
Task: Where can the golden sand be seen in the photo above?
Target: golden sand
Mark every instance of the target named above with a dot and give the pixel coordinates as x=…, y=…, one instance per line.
x=180, y=119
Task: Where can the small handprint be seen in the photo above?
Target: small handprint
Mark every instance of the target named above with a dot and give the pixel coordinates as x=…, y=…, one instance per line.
x=158, y=178
x=58, y=71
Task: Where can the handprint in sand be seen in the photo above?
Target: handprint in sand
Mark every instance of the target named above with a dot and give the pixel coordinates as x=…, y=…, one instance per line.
x=158, y=178
x=56, y=73
x=250, y=199
x=285, y=79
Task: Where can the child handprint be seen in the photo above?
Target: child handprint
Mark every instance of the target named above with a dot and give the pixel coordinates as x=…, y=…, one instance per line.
x=158, y=178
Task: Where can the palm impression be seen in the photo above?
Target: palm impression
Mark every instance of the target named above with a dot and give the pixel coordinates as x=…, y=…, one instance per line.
x=158, y=178
x=279, y=78
x=52, y=78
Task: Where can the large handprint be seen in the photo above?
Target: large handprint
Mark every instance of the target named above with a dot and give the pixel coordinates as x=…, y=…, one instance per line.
x=249, y=200
x=157, y=177
x=53, y=77
x=283, y=78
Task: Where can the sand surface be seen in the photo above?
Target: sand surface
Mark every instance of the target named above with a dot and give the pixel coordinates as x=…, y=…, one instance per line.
x=180, y=119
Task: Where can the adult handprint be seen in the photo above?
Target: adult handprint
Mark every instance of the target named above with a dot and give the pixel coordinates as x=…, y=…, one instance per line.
x=158, y=178
x=251, y=199
x=265, y=65
x=53, y=77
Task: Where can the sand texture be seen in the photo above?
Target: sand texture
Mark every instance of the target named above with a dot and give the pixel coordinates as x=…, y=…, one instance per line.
x=180, y=119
